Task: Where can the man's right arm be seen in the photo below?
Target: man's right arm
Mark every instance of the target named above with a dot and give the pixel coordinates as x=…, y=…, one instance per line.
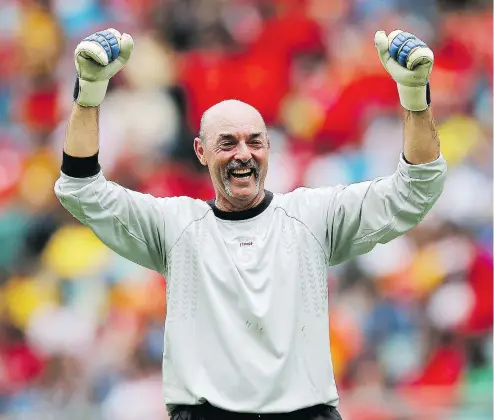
x=128, y=222
x=81, y=138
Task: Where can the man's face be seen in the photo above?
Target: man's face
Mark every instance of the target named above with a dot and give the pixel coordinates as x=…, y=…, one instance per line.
x=236, y=151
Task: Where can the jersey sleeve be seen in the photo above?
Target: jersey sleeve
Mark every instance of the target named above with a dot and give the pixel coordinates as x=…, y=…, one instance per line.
x=130, y=223
x=365, y=214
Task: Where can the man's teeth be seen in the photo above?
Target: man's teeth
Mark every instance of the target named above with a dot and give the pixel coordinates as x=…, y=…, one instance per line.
x=241, y=171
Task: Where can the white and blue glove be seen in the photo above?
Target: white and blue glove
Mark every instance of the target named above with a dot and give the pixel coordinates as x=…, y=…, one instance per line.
x=97, y=59
x=409, y=61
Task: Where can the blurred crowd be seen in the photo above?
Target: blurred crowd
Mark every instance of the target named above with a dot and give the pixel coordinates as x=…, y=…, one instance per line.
x=81, y=329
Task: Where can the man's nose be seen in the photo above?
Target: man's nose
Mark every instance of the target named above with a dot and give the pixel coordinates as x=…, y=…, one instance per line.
x=242, y=153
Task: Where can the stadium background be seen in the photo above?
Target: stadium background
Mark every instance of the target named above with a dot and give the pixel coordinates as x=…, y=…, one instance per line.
x=411, y=322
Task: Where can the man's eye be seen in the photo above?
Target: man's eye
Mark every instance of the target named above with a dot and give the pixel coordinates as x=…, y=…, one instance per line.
x=227, y=144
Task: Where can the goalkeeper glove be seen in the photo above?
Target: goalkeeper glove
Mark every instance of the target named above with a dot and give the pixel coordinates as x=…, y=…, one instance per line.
x=409, y=61
x=97, y=59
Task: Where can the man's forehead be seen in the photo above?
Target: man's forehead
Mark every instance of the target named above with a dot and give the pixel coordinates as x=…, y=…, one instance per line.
x=235, y=123
x=232, y=117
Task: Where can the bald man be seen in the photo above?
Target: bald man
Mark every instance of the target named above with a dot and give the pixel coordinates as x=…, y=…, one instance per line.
x=246, y=333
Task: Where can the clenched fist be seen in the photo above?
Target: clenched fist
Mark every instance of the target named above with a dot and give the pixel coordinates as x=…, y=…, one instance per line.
x=409, y=61
x=97, y=59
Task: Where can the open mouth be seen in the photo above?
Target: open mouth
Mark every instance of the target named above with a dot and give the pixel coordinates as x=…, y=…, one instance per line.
x=242, y=173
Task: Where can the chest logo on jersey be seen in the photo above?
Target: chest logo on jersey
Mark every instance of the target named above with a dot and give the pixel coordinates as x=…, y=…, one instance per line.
x=244, y=244
x=245, y=251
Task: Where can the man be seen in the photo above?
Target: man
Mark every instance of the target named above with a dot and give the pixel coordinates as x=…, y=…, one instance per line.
x=247, y=329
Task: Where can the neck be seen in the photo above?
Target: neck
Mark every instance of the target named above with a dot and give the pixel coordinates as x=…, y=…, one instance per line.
x=225, y=204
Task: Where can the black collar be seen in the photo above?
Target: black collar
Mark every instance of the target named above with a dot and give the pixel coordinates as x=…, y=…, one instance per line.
x=243, y=214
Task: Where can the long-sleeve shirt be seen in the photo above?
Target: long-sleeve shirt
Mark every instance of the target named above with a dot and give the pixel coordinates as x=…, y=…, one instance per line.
x=247, y=293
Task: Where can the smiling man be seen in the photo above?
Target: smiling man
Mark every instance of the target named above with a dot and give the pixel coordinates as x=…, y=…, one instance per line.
x=233, y=143
x=246, y=333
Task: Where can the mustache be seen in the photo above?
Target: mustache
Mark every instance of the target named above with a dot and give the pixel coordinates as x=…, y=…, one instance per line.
x=237, y=164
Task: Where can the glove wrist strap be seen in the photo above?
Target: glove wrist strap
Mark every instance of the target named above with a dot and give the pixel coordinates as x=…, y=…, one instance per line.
x=414, y=98
x=90, y=94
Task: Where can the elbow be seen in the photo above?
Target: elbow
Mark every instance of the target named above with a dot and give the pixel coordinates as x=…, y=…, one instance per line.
x=413, y=202
x=434, y=187
x=422, y=197
x=422, y=184
x=71, y=192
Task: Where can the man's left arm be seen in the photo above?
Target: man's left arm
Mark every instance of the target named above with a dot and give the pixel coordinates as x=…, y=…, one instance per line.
x=421, y=137
x=409, y=61
x=365, y=214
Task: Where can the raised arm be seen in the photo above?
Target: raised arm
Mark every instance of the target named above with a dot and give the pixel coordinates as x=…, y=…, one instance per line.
x=409, y=62
x=81, y=137
x=130, y=223
x=365, y=214
x=421, y=137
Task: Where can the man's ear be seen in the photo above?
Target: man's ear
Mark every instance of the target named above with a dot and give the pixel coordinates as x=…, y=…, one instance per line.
x=199, y=148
